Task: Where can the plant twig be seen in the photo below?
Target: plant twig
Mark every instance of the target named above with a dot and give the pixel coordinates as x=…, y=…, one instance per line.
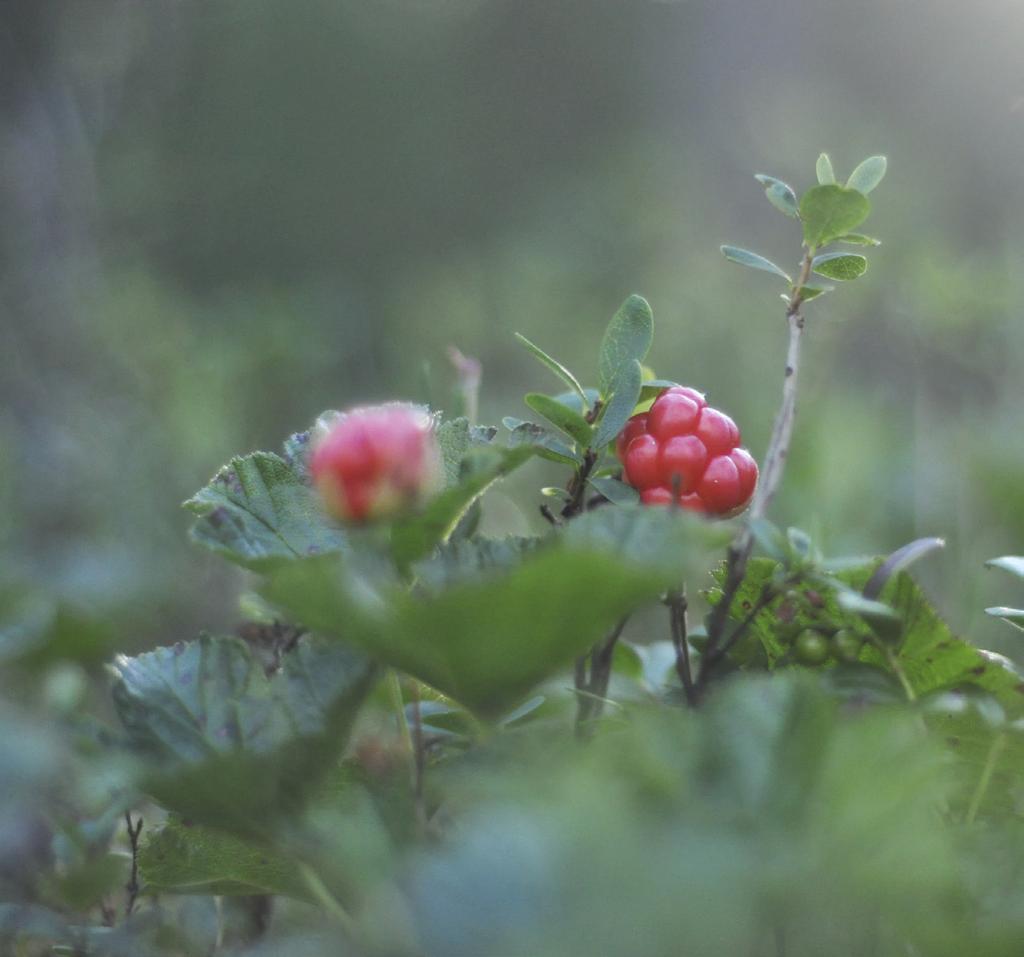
x=419, y=763
x=991, y=759
x=771, y=476
x=592, y=687
x=714, y=655
x=577, y=487
x=548, y=515
x=677, y=606
x=314, y=883
x=132, y=887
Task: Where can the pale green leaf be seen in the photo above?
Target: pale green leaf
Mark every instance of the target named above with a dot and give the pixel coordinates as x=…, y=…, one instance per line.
x=745, y=257
x=868, y=174
x=1014, y=564
x=779, y=194
x=823, y=168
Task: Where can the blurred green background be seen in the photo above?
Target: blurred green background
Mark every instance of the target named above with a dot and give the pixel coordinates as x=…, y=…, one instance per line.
x=219, y=217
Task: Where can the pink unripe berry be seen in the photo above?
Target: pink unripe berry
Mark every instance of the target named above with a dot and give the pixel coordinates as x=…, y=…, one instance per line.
x=377, y=462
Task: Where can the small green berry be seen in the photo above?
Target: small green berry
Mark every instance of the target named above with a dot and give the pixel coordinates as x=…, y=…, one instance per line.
x=846, y=645
x=811, y=647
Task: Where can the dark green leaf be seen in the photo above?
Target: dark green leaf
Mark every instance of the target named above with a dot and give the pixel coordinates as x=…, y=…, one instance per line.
x=986, y=750
x=840, y=266
x=620, y=406
x=626, y=340
x=486, y=644
x=571, y=423
x=224, y=744
x=414, y=537
x=779, y=194
x=823, y=168
x=465, y=561
x=645, y=537
x=615, y=491
x=257, y=513
x=868, y=174
x=746, y=258
x=555, y=366
x=544, y=442
x=829, y=212
x=191, y=859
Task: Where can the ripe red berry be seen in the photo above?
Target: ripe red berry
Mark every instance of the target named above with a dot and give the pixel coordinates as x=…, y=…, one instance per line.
x=377, y=462
x=682, y=444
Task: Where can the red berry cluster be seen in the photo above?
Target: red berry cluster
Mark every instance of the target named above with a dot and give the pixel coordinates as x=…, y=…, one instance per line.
x=683, y=442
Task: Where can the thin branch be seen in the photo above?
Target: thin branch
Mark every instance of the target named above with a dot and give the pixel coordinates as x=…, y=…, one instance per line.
x=548, y=515
x=132, y=887
x=677, y=606
x=577, y=487
x=592, y=687
x=715, y=655
x=419, y=763
x=771, y=473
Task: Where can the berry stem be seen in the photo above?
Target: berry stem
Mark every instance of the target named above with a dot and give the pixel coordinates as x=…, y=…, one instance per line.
x=677, y=606
x=771, y=477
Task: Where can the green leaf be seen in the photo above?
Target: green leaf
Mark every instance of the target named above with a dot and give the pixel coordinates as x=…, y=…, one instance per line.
x=626, y=340
x=620, y=406
x=868, y=174
x=257, y=513
x=829, y=212
x=580, y=406
x=555, y=366
x=931, y=657
x=571, y=423
x=191, y=859
x=224, y=744
x=840, y=266
x=414, y=537
x=823, y=168
x=486, y=643
x=655, y=538
x=807, y=293
x=455, y=438
x=746, y=258
x=1012, y=616
x=457, y=562
x=615, y=491
x=900, y=559
x=984, y=746
x=779, y=194
x=858, y=239
x=1014, y=564
x=543, y=441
